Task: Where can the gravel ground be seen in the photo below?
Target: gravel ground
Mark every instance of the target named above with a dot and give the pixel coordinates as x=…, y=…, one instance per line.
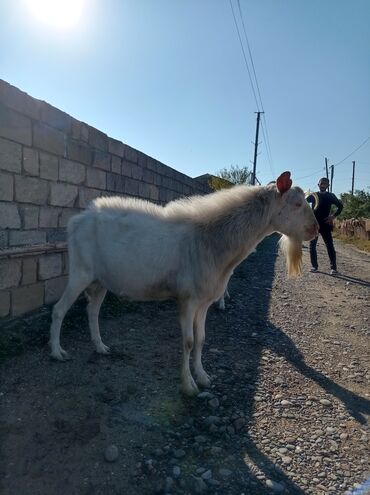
x=287, y=411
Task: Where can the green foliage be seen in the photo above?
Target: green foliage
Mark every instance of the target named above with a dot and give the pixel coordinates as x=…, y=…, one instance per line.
x=236, y=175
x=356, y=205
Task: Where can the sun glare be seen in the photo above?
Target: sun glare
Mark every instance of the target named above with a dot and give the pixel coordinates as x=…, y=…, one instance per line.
x=57, y=13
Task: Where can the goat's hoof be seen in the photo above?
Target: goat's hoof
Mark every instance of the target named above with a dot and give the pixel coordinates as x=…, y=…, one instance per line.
x=190, y=389
x=60, y=355
x=102, y=349
x=203, y=379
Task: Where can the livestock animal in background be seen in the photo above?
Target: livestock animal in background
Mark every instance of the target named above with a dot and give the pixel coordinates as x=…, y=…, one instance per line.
x=186, y=250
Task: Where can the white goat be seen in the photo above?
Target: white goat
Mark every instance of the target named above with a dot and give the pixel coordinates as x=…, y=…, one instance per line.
x=186, y=250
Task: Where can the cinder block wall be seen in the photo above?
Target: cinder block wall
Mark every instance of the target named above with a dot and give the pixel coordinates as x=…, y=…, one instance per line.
x=51, y=167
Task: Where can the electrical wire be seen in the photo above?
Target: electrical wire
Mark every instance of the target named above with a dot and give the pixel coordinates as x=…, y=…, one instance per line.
x=354, y=151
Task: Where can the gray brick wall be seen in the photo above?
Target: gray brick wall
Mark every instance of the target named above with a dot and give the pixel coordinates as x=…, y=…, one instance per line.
x=51, y=167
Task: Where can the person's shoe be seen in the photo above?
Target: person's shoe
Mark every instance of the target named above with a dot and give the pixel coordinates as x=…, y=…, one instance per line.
x=313, y=269
x=334, y=272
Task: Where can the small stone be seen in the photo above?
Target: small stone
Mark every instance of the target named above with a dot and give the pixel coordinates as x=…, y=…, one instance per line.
x=199, y=485
x=205, y=395
x=286, y=460
x=283, y=450
x=214, y=403
x=179, y=453
x=285, y=403
x=225, y=473
x=176, y=471
x=207, y=475
x=111, y=453
x=325, y=402
x=168, y=484
x=239, y=423
x=275, y=486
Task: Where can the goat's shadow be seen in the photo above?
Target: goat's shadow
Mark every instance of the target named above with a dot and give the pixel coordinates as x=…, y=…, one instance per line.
x=244, y=344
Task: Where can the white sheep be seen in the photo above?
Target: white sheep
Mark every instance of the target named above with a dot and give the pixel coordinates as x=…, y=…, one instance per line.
x=186, y=250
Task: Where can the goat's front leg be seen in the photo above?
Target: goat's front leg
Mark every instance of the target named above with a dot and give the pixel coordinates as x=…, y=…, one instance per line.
x=201, y=376
x=187, y=313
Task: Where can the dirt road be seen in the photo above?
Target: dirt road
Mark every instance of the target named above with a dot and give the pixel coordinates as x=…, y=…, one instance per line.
x=286, y=413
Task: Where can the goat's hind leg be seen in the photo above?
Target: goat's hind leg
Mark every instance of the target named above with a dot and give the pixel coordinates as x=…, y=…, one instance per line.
x=187, y=313
x=95, y=294
x=71, y=293
x=201, y=376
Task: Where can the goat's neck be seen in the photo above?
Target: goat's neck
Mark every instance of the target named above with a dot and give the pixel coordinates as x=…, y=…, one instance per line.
x=234, y=234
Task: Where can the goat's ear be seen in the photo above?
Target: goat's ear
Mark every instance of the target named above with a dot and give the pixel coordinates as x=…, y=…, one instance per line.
x=284, y=182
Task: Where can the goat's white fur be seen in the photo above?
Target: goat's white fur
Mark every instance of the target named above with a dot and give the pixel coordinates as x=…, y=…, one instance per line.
x=186, y=250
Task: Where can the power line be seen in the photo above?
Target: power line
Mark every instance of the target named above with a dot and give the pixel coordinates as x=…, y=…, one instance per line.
x=354, y=151
x=264, y=126
x=311, y=175
x=244, y=55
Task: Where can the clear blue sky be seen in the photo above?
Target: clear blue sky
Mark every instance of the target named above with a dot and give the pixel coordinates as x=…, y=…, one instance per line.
x=168, y=77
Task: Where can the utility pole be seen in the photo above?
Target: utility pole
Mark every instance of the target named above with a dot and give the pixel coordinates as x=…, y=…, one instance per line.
x=326, y=168
x=331, y=177
x=353, y=176
x=255, y=148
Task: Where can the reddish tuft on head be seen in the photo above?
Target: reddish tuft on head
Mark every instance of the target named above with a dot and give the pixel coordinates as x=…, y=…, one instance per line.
x=284, y=182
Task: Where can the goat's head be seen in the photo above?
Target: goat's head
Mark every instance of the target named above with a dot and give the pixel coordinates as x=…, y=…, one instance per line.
x=294, y=218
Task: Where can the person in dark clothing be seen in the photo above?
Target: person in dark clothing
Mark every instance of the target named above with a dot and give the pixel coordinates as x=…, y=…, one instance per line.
x=322, y=202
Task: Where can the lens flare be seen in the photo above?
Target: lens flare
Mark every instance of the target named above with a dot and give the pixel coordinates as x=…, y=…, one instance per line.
x=56, y=13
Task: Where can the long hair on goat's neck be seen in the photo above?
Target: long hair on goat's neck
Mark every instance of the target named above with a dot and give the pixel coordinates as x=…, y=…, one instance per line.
x=292, y=249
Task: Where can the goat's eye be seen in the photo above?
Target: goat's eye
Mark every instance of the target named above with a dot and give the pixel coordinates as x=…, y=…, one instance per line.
x=298, y=205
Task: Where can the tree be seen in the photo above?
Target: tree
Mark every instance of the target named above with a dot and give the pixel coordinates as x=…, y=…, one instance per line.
x=355, y=205
x=228, y=177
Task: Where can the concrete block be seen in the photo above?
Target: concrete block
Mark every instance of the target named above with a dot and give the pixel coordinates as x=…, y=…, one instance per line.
x=76, y=129
x=48, y=166
x=49, y=139
x=15, y=126
x=27, y=298
x=49, y=217
x=4, y=303
x=136, y=172
x=98, y=139
x=115, y=183
x=10, y=156
x=96, y=178
x=11, y=273
x=86, y=196
x=72, y=172
x=116, y=164
x=56, y=118
x=66, y=215
x=153, y=192
x=102, y=160
x=4, y=239
x=50, y=266
x=56, y=235
x=30, y=161
x=131, y=154
x=131, y=186
x=29, y=271
x=142, y=159
x=126, y=168
x=26, y=237
x=30, y=217
x=12, y=97
x=144, y=190
x=9, y=216
x=63, y=194
x=6, y=187
x=84, y=132
x=79, y=152
x=54, y=289
x=116, y=147
x=31, y=190
x=151, y=164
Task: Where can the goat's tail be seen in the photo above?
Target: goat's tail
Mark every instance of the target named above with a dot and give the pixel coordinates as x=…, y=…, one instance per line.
x=292, y=249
